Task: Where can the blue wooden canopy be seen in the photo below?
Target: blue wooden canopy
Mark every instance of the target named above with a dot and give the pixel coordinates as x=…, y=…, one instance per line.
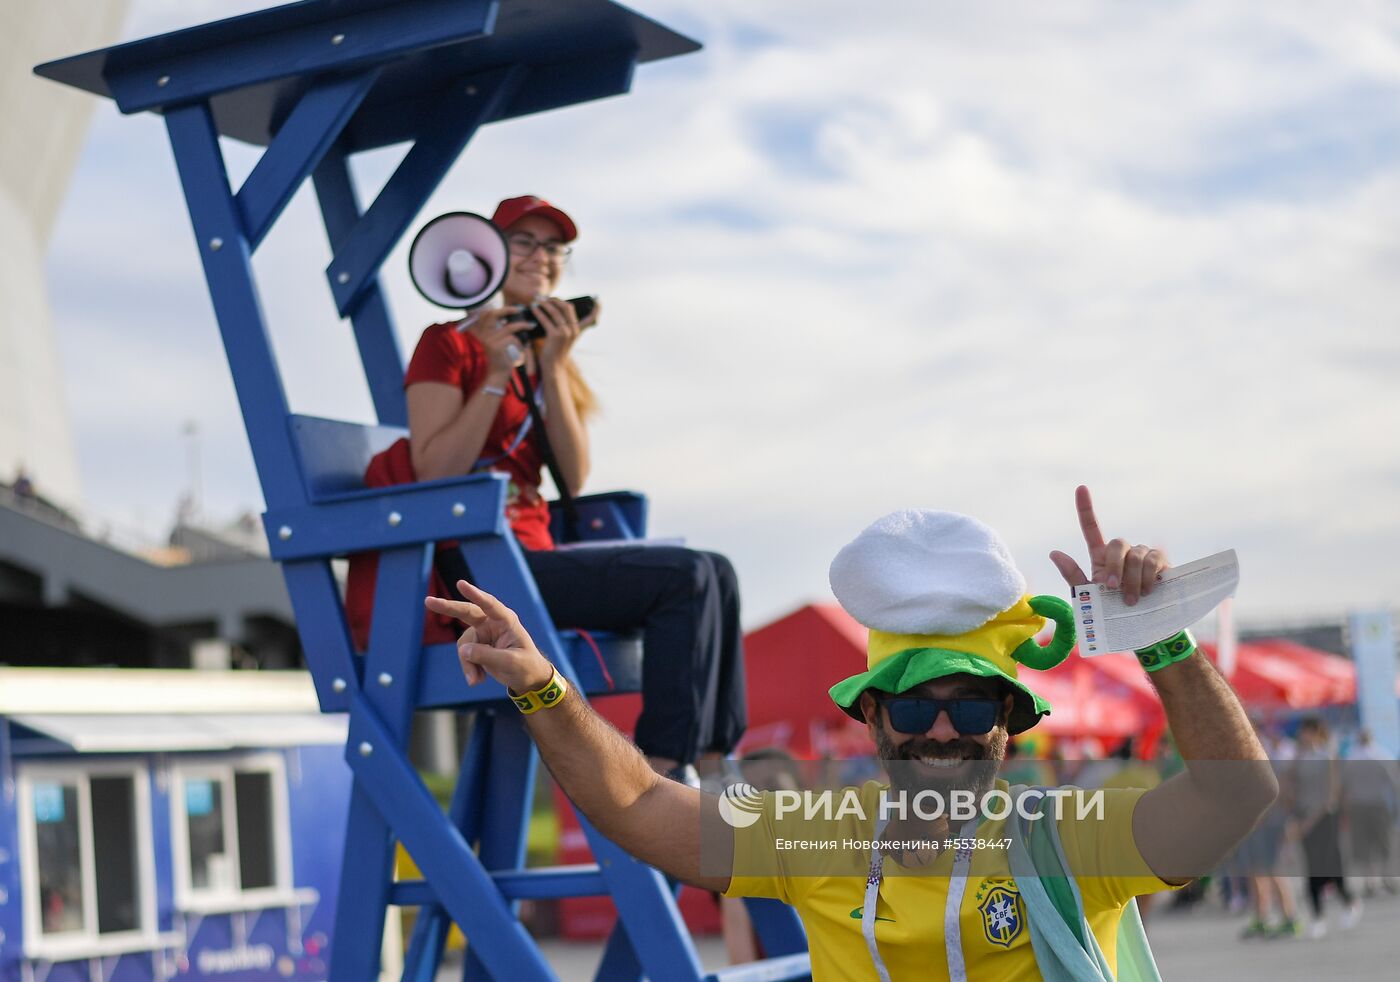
x=255, y=68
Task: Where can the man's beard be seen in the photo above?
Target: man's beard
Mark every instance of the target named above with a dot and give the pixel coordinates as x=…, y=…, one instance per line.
x=907, y=772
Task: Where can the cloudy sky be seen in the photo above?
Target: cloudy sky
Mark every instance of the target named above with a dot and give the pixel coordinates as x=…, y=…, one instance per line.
x=862, y=257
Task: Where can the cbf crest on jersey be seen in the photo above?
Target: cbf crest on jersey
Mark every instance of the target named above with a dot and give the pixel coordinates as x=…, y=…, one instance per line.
x=1003, y=916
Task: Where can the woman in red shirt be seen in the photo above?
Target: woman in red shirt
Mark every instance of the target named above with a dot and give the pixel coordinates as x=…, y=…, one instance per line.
x=465, y=415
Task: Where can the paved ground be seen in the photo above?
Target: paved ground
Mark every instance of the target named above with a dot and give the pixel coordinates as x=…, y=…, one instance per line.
x=1203, y=944
x=1199, y=944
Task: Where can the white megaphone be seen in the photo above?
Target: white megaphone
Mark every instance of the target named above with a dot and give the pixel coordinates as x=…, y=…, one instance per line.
x=459, y=260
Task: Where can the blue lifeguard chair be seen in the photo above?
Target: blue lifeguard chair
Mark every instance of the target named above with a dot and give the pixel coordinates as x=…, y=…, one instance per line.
x=316, y=82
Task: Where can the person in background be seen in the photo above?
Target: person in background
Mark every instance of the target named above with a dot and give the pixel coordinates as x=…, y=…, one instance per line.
x=1371, y=787
x=1316, y=787
x=467, y=413
x=1258, y=858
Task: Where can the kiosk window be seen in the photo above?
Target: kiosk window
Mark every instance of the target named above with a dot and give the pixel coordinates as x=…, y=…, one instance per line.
x=85, y=840
x=235, y=835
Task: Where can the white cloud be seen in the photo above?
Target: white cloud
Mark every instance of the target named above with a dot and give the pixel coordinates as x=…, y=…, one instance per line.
x=910, y=253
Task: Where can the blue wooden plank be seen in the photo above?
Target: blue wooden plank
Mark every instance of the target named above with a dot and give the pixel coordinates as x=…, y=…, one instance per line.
x=406, y=514
x=464, y=811
x=370, y=319
x=611, y=515
x=425, y=944
x=307, y=39
x=325, y=641
x=597, y=73
x=647, y=910
x=365, y=872
x=778, y=927
x=224, y=252
x=543, y=882
x=619, y=962
x=790, y=968
x=459, y=110
x=314, y=124
x=457, y=876
x=334, y=454
x=505, y=816
x=395, y=639
x=396, y=636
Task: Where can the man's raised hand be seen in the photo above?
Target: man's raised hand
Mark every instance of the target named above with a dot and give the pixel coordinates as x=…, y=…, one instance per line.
x=494, y=642
x=1118, y=565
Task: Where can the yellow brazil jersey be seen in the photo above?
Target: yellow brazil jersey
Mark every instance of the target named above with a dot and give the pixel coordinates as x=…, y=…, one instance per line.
x=819, y=868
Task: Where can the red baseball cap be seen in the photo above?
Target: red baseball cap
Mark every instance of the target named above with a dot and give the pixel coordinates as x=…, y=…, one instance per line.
x=511, y=210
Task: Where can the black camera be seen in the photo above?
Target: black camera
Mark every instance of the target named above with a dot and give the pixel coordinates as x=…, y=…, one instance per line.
x=583, y=308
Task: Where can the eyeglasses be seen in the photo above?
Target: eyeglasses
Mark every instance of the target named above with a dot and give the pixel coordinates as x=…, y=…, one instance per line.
x=523, y=244
x=913, y=715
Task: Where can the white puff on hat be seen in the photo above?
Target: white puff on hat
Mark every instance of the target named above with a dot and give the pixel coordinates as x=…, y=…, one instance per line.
x=920, y=571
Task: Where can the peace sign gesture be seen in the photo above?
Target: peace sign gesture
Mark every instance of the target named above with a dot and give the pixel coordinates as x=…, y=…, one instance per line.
x=495, y=643
x=1116, y=564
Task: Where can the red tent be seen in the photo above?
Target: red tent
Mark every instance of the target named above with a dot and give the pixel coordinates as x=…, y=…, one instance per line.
x=1266, y=678
x=1087, y=701
x=1339, y=673
x=790, y=664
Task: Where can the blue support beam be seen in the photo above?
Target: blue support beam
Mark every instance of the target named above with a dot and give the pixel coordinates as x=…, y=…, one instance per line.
x=647, y=910
x=464, y=812
x=458, y=879
x=459, y=110
x=325, y=642
x=374, y=327
x=384, y=702
x=223, y=249
x=303, y=140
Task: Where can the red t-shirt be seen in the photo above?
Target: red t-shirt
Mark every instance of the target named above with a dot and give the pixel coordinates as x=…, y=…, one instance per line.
x=453, y=357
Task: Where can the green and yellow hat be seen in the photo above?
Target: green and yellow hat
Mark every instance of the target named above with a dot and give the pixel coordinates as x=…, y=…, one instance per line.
x=942, y=596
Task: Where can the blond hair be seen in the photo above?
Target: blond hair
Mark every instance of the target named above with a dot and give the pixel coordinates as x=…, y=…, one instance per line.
x=585, y=399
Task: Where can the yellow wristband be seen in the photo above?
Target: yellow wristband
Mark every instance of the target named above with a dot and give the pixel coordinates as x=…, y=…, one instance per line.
x=549, y=694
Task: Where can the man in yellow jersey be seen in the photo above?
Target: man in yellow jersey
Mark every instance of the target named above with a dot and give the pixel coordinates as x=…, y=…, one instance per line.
x=944, y=872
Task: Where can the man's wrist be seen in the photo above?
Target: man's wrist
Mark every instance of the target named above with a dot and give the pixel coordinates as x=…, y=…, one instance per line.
x=531, y=696
x=1156, y=657
x=536, y=678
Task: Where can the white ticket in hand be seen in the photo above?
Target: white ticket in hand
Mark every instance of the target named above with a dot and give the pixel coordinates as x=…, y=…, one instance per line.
x=1181, y=597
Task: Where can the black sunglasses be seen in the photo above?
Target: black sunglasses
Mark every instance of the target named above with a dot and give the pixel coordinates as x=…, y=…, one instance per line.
x=915, y=714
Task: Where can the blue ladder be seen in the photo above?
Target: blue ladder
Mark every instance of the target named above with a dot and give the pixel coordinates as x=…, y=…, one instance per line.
x=315, y=82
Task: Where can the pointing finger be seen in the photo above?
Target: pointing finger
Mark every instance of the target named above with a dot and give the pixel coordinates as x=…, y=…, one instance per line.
x=467, y=613
x=1088, y=521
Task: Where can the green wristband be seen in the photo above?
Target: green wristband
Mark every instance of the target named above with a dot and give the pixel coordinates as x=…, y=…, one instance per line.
x=1178, y=647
